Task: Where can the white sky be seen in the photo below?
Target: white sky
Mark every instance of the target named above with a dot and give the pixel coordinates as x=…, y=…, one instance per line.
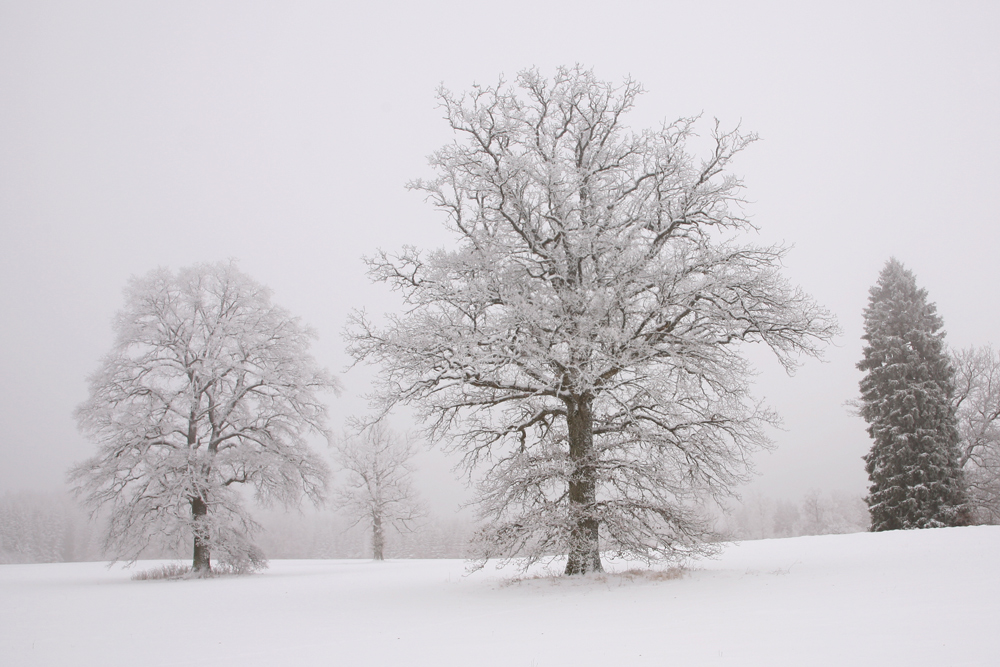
x=135, y=135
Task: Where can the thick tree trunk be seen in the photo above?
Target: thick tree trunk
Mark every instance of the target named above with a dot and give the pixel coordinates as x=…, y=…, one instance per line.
x=585, y=552
x=202, y=562
x=378, y=539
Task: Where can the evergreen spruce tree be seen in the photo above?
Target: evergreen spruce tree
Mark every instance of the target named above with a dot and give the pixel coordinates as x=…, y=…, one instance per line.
x=906, y=394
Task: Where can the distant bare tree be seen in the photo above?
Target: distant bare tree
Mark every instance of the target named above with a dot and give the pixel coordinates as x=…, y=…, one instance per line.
x=379, y=489
x=786, y=518
x=977, y=400
x=814, y=513
x=209, y=386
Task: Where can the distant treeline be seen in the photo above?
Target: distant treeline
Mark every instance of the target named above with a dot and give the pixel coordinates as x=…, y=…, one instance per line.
x=45, y=528
x=51, y=528
x=816, y=513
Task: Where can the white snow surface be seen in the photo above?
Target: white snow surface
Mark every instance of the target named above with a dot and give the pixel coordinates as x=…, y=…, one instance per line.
x=927, y=597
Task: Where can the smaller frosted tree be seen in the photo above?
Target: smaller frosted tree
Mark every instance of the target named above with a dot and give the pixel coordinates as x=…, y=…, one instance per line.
x=906, y=398
x=378, y=490
x=209, y=387
x=977, y=401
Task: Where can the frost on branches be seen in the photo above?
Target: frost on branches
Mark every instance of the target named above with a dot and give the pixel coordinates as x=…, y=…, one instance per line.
x=906, y=398
x=378, y=489
x=582, y=342
x=209, y=387
x=977, y=399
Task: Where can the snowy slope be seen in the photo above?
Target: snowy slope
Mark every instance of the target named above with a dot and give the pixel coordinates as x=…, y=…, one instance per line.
x=927, y=597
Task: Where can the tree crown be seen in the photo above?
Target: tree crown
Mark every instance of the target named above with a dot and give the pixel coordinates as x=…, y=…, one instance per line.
x=584, y=335
x=208, y=386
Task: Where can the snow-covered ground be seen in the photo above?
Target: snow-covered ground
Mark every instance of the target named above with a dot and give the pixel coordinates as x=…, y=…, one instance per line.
x=928, y=597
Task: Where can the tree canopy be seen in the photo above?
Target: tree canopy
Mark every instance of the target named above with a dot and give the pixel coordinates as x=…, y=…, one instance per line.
x=208, y=387
x=582, y=340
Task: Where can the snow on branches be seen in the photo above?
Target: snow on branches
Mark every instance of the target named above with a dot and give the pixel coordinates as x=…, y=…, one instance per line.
x=582, y=341
x=977, y=401
x=906, y=398
x=209, y=386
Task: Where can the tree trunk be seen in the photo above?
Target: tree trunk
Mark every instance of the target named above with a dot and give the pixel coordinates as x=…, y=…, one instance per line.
x=202, y=562
x=378, y=539
x=585, y=552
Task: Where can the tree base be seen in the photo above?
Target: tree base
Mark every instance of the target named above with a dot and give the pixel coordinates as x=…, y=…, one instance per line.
x=584, y=564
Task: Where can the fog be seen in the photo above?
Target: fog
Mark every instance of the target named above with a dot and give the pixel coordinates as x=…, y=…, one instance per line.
x=138, y=135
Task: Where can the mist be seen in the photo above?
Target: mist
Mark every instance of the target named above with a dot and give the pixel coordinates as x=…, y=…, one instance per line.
x=283, y=136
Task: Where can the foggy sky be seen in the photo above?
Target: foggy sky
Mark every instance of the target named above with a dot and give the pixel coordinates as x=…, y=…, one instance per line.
x=138, y=135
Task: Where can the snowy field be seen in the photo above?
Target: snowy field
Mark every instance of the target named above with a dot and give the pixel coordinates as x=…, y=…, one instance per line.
x=928, y=597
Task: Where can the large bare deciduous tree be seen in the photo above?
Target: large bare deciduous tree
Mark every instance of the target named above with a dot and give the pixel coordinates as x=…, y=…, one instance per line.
x=977, y=402
x=378, y=489
x=583, y=340
x=209, y=387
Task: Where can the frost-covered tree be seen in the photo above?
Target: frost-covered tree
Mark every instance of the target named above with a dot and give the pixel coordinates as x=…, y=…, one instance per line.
x=378, y=489
x=209, y=387
x=977, y=401
x=583, y=340
x=906, y=398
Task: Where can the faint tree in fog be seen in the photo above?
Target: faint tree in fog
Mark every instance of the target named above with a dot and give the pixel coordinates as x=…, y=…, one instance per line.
x=209, y=386
x=814, y=513
x=378, y=489
x=906, y=398
x=584, y=339
x=977, y=399
x=786, y=519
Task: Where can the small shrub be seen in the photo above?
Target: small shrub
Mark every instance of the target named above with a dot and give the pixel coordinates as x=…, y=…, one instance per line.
x=634, y=574
x=169, y=571
x=247, y=561
x=675, y=572
x=226, y=567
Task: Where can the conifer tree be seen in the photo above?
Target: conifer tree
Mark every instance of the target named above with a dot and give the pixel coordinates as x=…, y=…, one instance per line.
x=906, y=398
